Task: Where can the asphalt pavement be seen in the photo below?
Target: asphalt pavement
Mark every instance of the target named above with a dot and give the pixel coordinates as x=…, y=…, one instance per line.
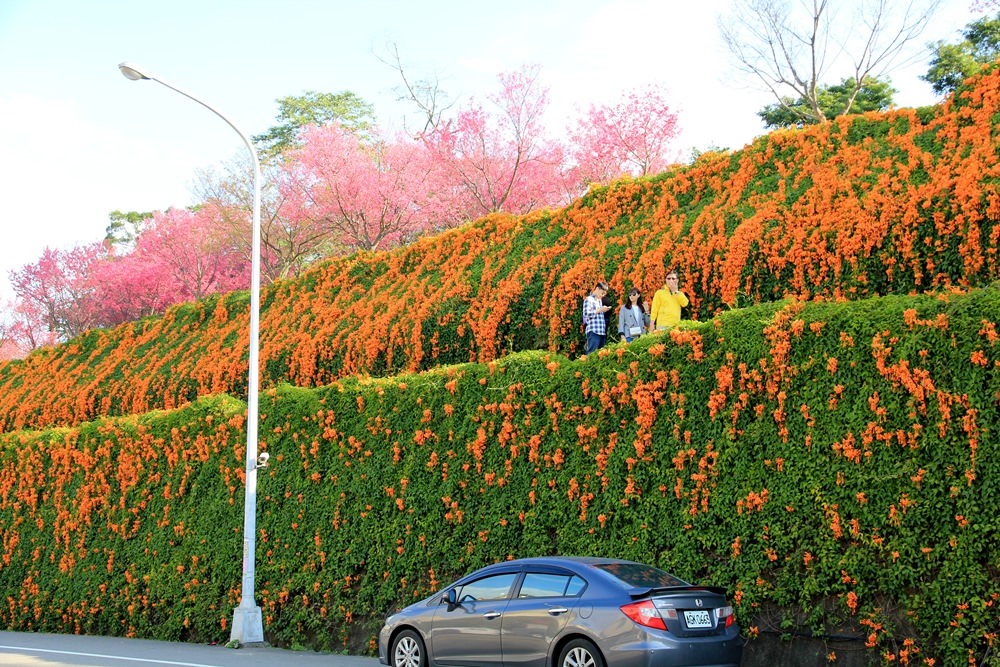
x=26, y=649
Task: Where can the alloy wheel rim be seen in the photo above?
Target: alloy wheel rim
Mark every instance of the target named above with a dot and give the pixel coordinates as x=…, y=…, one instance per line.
x=407, y=653
x=579, y=657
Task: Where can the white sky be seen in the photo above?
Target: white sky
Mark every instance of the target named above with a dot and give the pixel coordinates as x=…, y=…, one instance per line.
x=78, y=140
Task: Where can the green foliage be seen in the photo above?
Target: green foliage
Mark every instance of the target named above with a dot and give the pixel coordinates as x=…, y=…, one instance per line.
x=698, y=153
x=123, y=228
x=834, y=461
x=954, y=63
x=834, y=100
x=311, y=108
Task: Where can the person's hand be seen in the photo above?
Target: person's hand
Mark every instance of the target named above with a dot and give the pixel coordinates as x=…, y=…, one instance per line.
x=645, y=306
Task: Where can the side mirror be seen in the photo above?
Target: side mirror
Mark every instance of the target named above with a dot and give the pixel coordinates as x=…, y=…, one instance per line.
x=451, y=597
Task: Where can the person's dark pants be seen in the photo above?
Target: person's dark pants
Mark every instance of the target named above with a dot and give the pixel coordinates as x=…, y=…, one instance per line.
x=594, y=342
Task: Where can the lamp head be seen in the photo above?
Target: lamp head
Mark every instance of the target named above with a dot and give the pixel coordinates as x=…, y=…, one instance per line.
x=134, y=72
x=262, y=460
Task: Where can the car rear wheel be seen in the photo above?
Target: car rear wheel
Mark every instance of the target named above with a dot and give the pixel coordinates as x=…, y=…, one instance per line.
x=408, y=650
x=580, y=653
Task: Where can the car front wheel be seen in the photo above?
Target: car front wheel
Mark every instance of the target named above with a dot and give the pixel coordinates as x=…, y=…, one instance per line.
x=580, y=653
x=408, y=650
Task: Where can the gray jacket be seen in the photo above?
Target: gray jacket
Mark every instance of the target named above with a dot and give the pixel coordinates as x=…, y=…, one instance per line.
x=626, y=320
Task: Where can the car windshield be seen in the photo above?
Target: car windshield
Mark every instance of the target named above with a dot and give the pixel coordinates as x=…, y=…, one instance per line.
x=636, y=575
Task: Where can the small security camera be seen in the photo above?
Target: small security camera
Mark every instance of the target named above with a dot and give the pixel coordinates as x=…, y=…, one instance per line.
x=262, y=459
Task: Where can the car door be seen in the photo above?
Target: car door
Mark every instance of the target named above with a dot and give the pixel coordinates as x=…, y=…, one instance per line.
x=534, y=617
x=467, y=633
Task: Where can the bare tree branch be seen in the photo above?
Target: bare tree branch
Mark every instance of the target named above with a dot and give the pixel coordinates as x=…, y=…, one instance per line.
x=425, y=93
x=791, y=46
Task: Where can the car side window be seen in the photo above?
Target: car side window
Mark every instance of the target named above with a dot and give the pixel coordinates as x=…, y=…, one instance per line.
x=575, y=586
x=547, y=585
x=496, y=587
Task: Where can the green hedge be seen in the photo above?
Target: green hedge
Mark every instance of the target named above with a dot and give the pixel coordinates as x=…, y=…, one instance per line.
x=834, y=465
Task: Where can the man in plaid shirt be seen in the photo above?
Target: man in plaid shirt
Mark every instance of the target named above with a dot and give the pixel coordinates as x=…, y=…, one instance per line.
x=593, y=317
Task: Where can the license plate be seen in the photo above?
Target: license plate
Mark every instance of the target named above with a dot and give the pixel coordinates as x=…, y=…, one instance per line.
x=697, y=619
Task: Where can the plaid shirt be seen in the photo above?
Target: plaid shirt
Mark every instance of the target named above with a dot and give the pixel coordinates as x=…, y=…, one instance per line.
x=594, y=320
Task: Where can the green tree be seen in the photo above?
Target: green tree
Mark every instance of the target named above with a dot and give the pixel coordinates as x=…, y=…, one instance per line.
x=697, y=153
x=837, y=100
x=124, y=228
x=311, y=108
x=954, y=63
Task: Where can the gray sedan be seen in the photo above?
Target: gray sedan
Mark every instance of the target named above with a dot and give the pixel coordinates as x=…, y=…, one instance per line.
x=565, y=612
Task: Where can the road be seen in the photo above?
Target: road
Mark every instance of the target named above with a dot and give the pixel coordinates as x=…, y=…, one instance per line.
x=25, y=649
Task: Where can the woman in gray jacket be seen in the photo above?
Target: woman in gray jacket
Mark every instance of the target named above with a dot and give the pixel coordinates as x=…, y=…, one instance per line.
x=633, y=316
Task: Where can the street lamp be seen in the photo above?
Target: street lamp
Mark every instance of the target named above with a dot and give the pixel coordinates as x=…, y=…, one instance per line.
x=247, y=627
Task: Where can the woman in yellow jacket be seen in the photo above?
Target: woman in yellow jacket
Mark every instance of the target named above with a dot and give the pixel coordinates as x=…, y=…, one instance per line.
x=667, y=304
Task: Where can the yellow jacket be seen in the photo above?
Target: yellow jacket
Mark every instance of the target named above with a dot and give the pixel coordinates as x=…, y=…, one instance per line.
x=666, y=308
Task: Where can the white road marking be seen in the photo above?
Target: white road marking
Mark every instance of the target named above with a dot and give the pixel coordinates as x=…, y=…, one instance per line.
x=101, y=655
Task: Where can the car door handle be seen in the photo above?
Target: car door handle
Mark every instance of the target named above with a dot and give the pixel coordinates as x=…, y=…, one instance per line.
x=555, y=611
x=490, y=615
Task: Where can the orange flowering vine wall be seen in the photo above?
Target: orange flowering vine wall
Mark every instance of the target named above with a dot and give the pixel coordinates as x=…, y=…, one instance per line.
x=834, y=465
x=884, y=203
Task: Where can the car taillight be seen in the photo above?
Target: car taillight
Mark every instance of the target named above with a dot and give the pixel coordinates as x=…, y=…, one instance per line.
x=645, y=613
x=725, y=614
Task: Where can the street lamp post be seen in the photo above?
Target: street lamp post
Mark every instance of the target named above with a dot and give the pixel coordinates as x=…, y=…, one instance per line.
x=247, y=626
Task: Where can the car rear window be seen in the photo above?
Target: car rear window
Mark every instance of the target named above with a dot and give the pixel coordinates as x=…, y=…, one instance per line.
x=636, y=575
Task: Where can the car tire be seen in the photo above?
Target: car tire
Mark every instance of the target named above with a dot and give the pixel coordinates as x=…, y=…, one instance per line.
x=580, y=653
x=408, y=650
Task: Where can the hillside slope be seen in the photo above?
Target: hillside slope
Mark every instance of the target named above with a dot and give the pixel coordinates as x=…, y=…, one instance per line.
x=898, y=202
x=835, y=466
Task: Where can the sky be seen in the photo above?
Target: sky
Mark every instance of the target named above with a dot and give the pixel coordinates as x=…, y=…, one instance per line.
x=79, y=140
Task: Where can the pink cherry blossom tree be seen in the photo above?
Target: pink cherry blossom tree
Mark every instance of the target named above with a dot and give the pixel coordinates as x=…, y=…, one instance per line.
x=367, y=195
x=15, y=341
x=632, y=137
x=177, y=256
x=130, y=286
x=55, y=295
x=21, y=331
x=9, y=348
x=288, y=245
x=195, y=253
x=501, y=158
